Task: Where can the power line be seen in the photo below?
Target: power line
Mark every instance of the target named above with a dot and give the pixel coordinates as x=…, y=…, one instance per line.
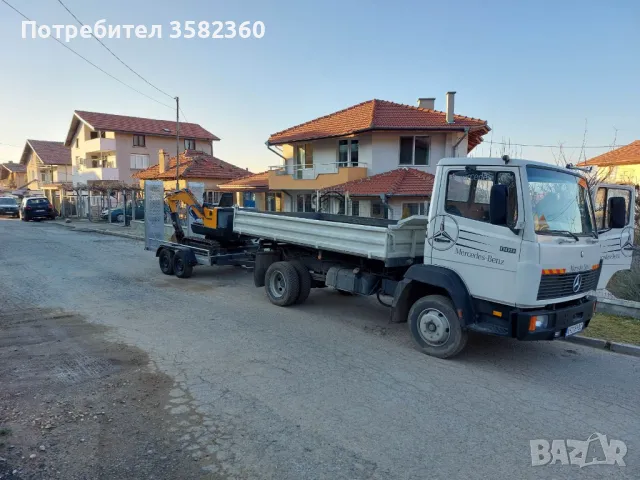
x=88, y=61
x=111, y=52
x=543, y=146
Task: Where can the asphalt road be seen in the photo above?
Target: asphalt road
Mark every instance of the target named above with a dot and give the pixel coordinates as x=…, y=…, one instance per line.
x=327, y=389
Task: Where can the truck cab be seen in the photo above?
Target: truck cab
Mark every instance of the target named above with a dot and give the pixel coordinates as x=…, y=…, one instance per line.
x=521, y=240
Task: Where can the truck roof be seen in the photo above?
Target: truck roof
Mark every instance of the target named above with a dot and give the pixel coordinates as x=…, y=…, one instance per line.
x=491, y=161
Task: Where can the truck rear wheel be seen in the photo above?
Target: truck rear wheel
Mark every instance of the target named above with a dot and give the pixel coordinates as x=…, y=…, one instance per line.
x=436, y=328
x=165, y=259
x=282, y=284
x=305, y=280
x=181, y=266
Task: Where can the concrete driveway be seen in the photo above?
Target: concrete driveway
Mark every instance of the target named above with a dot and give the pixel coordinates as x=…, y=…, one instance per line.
x=327, y=389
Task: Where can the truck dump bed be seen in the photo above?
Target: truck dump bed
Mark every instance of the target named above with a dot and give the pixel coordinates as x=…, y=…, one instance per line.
x=393, y=242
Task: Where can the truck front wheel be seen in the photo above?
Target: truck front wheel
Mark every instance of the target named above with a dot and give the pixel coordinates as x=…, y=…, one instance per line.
x=282, y=284
x=436, y=328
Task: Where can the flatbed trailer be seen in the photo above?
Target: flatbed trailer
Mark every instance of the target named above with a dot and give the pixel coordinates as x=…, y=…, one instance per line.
x=179, y=259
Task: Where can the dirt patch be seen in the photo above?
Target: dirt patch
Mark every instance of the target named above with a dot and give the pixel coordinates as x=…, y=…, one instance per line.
x=74, y=406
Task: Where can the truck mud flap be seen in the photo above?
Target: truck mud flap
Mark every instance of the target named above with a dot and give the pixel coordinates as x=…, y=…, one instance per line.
x=263, y=262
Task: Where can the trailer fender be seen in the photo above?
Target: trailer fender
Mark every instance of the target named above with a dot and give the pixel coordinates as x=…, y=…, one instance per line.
x=423, y=280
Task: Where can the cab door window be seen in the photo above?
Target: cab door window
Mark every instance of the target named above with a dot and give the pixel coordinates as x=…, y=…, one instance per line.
x=469, y=192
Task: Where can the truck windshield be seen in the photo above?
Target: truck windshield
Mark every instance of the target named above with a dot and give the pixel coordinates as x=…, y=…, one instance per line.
x=560, y=202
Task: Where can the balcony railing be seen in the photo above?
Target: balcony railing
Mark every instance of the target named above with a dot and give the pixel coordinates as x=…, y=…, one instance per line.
x=100, y=145
x=303, y=172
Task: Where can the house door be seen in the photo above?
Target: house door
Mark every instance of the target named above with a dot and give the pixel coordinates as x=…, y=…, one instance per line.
x=616, y=243
x=249, y=200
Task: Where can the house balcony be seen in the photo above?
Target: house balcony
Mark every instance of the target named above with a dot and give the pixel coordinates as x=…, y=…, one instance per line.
x=81, y=175
x=97, y=145
x=317, y=176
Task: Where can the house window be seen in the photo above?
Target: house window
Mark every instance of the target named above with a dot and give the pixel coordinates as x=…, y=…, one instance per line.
x=410, y=209
x=189, y=144
x=93, y=135
x=77, y=143
x=468, y=193
x=304, y=203
x=139, y=162
x=414, y=151
x=341, y=206
x=139, y=141
x=378, y=210
x=348, y=153
x=355, y=208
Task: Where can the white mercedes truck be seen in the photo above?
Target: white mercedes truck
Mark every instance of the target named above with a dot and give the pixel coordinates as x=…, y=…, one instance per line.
x=510, y=247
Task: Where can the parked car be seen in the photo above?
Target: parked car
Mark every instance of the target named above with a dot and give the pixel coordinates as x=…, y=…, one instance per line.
x=36, y=208
x=117, y=215
x=9, y=206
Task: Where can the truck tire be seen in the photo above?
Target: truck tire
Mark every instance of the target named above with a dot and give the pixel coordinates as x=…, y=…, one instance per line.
x=165, y=259
x=305, y=281
x=282, y=284
x=181, y=266
x=436, y=328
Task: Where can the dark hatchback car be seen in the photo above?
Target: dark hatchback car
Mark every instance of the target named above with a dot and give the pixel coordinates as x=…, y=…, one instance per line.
x=36, y=209
x=8, y=206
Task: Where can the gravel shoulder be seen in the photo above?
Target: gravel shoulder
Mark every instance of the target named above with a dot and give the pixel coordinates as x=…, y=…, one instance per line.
x=74, y=406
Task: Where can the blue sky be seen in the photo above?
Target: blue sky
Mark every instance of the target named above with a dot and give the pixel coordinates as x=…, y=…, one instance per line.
x=535, y=72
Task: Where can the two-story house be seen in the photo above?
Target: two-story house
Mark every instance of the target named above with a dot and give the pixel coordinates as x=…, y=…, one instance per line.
x=366, y=140
x=12, y=176
x=48, y=167
x=115, y=147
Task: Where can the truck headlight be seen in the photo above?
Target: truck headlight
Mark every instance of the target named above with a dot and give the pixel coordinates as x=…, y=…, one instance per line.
x=538, y=322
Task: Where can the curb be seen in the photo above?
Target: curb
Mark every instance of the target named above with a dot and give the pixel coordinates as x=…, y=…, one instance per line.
x=102, y=232
x=623, y=348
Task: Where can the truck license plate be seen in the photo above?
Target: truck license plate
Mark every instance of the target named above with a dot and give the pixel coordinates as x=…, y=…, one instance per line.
x=573, y=329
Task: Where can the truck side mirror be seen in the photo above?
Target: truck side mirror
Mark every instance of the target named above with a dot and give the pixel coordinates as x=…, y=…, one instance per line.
x=498, y=205
x=617, y=212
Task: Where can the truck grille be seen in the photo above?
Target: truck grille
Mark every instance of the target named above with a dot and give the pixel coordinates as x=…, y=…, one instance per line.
x=561, y=285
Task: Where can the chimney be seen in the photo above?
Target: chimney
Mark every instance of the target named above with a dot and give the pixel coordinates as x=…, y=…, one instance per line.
x=162, y=161
x=450, y=106
x=428, y=103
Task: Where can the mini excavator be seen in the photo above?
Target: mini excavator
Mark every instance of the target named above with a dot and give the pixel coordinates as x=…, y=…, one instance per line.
x=216, y=218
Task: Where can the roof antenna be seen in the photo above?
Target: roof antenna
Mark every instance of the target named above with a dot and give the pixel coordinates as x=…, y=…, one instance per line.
x=505, y=159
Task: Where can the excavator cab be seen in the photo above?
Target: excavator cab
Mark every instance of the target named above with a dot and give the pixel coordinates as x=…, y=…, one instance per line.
x=215, y=219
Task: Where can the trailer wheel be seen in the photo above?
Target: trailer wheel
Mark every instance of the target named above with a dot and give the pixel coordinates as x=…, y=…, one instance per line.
x=282, y=284
x=305, y=280
x=165, y=259
x=436, y=328
x=181, y=266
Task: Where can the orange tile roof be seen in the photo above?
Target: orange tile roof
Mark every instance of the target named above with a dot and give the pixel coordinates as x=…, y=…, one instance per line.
x=627, y=155
x=400, y=182
x=250, y=182
x=194, y=165
x=379, y=115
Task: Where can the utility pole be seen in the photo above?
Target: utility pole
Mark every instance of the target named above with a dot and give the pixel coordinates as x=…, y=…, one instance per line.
x=177, y=143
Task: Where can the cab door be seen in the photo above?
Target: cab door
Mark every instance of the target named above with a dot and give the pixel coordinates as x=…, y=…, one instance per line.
x=461, y=238
x=616, y=243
